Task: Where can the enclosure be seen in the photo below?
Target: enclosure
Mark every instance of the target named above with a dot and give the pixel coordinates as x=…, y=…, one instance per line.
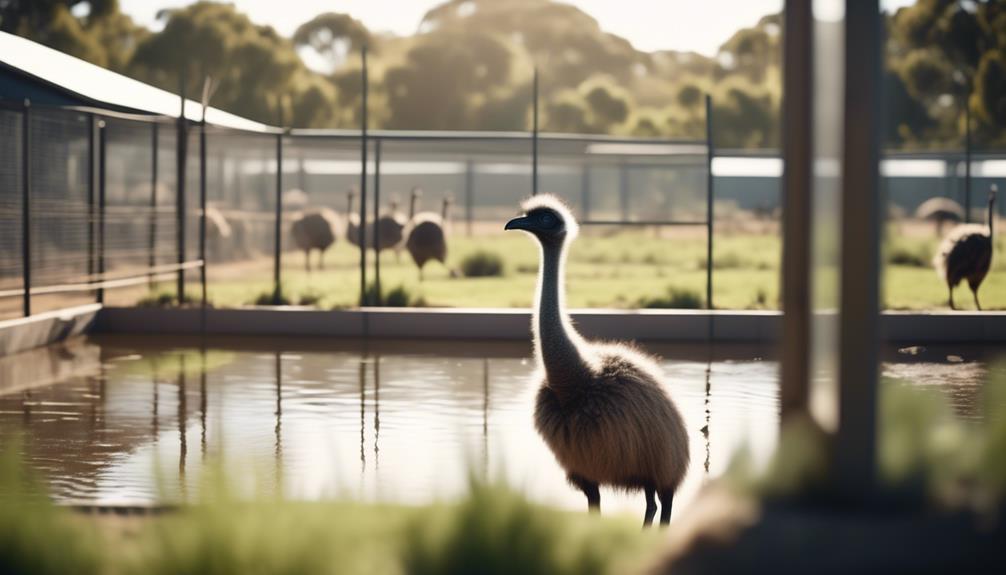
x=169, y=316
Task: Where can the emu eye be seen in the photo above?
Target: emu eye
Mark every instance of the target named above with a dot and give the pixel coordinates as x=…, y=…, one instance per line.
x=548, y=220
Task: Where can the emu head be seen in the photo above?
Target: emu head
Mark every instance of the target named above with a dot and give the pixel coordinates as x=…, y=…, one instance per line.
x=547, y=218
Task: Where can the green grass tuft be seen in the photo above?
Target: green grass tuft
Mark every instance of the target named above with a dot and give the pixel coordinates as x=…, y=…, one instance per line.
x=673, y=298
x=482, y=264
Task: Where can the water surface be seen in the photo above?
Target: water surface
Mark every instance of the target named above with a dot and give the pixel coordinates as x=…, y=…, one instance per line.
x=135, y=419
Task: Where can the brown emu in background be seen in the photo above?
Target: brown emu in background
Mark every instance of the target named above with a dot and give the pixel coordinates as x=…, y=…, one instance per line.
x=940, y=211
x=390, y=229
x=427, y=238
x=315, y=230
x=966, y=253
x=352, y=220
x=601, y=407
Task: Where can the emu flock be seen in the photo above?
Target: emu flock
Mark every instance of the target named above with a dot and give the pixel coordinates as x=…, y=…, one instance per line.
x=423, y=234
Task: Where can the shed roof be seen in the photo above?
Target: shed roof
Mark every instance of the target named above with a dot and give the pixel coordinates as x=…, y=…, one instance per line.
x=95, y=86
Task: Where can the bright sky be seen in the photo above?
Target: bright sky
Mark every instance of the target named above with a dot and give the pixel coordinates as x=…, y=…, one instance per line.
x=650, y=25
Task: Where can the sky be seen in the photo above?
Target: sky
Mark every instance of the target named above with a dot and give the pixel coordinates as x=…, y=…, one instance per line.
x=685, y=25
x=649, y=24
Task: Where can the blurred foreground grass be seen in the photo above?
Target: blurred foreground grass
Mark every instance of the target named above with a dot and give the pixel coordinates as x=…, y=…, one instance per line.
x=492, y=530
x=627, y=269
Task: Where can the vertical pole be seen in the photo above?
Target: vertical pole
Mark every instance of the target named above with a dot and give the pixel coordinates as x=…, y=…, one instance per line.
x=363, y=181
x=377, y=215
x=585, y=193
x=623, y=191
x=102, y=135
x=798, y=155
x=202, y=209
x=278, y=225
x=152, y=239
x=92, y=191
x=710, y=190
x=469, y=196
x=534, y=136
x=26, y=204
x=180, y=161
x=967, y=158
x=855, y=446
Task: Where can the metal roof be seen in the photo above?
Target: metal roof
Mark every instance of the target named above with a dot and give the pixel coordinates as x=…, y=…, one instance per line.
x=94, y=85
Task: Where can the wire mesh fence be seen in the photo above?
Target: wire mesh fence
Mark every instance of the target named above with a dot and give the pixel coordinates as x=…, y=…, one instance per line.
x=279, y=217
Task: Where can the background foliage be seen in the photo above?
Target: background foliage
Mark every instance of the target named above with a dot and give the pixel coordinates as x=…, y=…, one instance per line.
x=470, y=64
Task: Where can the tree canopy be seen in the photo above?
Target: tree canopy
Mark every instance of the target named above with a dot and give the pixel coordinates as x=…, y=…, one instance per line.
x=470, y=65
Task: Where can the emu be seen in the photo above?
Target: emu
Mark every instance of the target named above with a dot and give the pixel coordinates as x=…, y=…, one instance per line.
x=940, y=211
x=600, y=408
x=316, y=230
x=427, y=239
x=352, y=220
x=390, y=229
x=966, y=253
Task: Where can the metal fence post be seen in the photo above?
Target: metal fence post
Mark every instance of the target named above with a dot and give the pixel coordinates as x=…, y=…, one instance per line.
x=181, y=160
x=152, y=239
x=92, y=196
x=967, y=159
x=623, y=191
x=377, y=215
x=278, y=231
x=855, y=447
x=202, y=209
x=585, y=193
x=363, y=181
x=534, y=136
x=102, y=139
x=710, y=215
x=26, y=204
x=469, y=196
x=798, y=153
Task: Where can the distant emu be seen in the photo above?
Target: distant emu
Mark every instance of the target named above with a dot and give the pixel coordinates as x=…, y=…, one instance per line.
x=352, y=220
x=940, y=211
x=316, y=230
x=966, y=253
x=427, y=239
x=601, y=408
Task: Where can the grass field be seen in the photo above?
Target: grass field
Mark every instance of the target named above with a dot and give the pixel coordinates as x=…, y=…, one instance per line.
x=628, y=269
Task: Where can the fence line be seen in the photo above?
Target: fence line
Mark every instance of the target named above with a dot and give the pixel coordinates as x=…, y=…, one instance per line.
x=108, y=226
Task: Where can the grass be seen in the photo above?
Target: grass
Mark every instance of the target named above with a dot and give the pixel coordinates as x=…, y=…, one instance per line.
x=617, y=270
x=492, y=530
x=674, y=298
x=482, y=264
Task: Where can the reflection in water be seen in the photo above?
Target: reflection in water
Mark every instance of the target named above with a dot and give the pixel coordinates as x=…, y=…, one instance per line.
x=300, y=417
x=708, y=413
x=377, y=409
x=278, y=451
x=182, y=423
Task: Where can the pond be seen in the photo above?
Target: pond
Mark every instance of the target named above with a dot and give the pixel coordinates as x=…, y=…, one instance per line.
x=136, y=420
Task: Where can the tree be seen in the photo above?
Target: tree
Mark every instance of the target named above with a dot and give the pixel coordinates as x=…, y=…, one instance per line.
x=334, y=36
x=256, y=68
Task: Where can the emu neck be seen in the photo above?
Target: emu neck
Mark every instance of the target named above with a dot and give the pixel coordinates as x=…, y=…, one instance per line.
x=556, y=341
x=412, y=207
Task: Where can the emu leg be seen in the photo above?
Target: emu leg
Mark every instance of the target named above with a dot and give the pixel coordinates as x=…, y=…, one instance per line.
x=321, y=259
x=974, y=292
x=651, y=507
x=666, y=503
x=307, y=260
x=951, y=290
x=590, y=489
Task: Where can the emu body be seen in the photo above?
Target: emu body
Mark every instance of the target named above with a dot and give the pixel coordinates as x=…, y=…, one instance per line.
x=966, y=254
x=601, y=407
x=315, y=230
x=427, y=237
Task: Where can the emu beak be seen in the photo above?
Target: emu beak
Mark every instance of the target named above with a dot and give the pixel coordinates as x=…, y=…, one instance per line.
x=521, y=223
